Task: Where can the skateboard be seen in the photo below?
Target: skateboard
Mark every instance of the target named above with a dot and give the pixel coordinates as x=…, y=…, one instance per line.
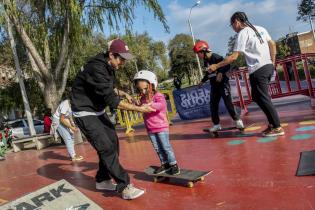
x=216, y=133
x=190, y=176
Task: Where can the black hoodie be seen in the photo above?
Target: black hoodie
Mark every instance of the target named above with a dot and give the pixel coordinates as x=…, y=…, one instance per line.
x=93, y=88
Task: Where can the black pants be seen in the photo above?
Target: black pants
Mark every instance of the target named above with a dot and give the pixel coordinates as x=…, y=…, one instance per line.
x=259, y=81
x=102, y=135
x=221, y=90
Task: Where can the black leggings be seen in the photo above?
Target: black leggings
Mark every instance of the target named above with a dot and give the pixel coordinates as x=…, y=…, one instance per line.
x=259, y=81
x=221, y=90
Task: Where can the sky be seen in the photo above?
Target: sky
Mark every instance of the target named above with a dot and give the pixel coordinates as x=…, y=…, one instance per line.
x=210, y=20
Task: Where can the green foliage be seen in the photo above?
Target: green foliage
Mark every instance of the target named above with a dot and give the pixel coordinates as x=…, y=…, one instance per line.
x=306, y=8
x=11, y=98
x=240, y=62
x=89, y=48
x=182, y=58
x=149, y=55
x=231, y=43
x=300, y=69
x=282, y=50
x=59, y=30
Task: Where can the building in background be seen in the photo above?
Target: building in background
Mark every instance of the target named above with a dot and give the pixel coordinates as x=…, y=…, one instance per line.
x=307, y=42
x=299, y=42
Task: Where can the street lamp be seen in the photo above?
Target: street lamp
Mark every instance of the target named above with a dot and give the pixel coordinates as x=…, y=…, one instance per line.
x=193, y=37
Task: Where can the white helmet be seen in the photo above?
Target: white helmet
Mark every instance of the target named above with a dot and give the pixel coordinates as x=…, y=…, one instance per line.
x=148, y=76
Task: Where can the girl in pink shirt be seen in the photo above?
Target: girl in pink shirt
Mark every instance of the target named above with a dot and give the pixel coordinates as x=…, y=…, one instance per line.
x=156, y=122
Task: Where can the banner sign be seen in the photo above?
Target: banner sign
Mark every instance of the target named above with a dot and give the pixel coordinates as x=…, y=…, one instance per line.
x=194, y=102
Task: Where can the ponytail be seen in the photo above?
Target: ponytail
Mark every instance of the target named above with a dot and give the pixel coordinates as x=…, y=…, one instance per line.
x=242, y=17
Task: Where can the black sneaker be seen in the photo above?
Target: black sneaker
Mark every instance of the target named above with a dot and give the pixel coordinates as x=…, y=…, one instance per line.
x=274, y=132
x=267, y=130
x=174, y=170
x=162, y=169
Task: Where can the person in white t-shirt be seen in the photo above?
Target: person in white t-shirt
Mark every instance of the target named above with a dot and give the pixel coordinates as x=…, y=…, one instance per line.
x=63, y=125
x=255, y=43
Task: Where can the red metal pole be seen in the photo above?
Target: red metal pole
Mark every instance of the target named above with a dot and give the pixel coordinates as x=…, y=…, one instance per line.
x=308, y=77
x=277, y=80
x=286, y=77
x=239, y=90
x=296, y=74
x=245, y=73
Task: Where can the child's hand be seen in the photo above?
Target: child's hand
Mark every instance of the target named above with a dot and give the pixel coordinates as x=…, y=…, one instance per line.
x=219, y=77
x=137, y=102
x=129, y=98
x=73, y=129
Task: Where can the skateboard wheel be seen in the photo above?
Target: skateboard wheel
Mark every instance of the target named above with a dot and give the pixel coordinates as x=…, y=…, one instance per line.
x=190, y=184
x=202, y=178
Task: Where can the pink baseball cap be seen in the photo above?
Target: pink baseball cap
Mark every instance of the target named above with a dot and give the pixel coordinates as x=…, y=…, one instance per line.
x=119, y=46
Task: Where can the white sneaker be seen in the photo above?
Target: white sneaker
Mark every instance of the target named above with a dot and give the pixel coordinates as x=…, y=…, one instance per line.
x=215, y=128
x=106, y=185
x=131, y=192
x=239, y=124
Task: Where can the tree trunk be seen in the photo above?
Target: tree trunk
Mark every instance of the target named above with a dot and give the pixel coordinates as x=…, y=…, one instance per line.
x=52, y=82
x=51, y=97
x=20, y=78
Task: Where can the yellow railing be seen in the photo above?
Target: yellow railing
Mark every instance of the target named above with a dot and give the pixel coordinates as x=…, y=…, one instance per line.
x=128, y=119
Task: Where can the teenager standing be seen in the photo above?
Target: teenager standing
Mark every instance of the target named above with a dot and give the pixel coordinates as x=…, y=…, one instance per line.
x=255, y=43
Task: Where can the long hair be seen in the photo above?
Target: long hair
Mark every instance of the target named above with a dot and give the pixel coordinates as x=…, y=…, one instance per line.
x=150, y=92
x=242, y=17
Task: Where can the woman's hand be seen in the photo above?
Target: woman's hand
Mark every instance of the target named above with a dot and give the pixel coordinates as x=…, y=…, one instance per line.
x=146, y=108
x=212, y=68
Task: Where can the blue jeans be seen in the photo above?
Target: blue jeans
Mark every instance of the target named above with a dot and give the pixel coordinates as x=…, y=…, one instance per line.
x=68, y=139
x=163, y=147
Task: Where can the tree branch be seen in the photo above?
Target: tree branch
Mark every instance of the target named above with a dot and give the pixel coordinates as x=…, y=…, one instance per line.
x=101, y=6
x=36, y=71
x=26, y=40
x=64, y=47
x=64, y=78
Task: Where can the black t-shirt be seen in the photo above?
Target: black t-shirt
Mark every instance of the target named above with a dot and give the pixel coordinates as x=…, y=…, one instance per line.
x=214, y=59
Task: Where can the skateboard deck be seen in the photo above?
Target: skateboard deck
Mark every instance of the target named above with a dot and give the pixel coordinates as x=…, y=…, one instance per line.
x=191, y=176
x=240, y=131
x=216, y=133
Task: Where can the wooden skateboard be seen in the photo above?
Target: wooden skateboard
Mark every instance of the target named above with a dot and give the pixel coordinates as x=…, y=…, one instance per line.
x=190, y=176
x=216, y=133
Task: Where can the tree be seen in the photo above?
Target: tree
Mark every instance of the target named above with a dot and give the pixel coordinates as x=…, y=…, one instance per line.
x=283, y=50
x=51, y=31
x=149, y=54
x=240, y=62
x=231, y=43
x=11, y=98
x=306, y=9
x=182, y=58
